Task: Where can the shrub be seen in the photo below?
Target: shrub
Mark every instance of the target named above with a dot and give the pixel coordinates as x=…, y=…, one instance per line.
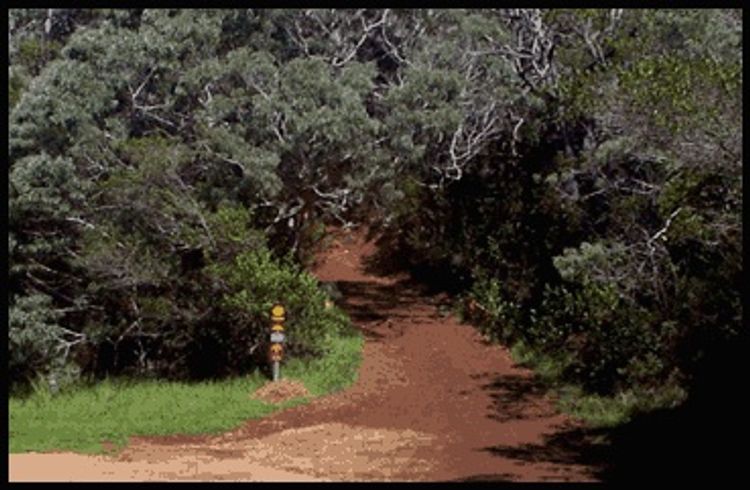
x=256, y=281
x=499, y=314
x=31, y=335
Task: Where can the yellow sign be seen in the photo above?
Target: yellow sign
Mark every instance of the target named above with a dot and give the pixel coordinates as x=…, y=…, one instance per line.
x=278, y=311
x=278, y=328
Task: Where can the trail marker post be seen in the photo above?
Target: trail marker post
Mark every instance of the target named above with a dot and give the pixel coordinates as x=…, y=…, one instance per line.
x=276, y=353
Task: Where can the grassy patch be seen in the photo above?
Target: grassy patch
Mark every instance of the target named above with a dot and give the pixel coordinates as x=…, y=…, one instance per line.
x=610, y=411
x=333, y=372
x=82, y=418
x=596, y=411
x=549, y=369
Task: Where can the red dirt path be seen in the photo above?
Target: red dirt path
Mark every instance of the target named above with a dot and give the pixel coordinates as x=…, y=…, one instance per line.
x=431, y=401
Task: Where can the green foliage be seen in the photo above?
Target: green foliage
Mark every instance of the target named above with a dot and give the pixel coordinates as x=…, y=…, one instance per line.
x=610, y=411
x=17, y=81
x=231, y=227
x=591, y=256
x=64, y=98
x=33, y=53
x=596, y=410
x=618, y=342
x=192, y=302
x=674, y=89
x=44, y=194
x=43, y=190
x=576, y=170
x=33, y=334
x=334, y=371
x=256, y=282
x=502, y=313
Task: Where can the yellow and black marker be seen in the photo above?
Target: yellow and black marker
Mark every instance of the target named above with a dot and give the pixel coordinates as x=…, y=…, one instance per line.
x=276, y=351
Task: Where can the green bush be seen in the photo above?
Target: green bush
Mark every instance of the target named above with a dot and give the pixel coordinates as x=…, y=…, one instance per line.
x=206, y=315
x=598, y=340
x=184, y=298
x=256, y=281
x=501, y=315
x=614, y=342
x=33, y=334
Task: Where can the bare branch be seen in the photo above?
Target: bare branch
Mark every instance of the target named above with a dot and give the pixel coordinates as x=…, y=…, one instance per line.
x=662, y=231
x=367, y=29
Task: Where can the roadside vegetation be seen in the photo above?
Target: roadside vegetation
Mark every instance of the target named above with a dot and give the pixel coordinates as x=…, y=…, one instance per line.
x=85, y=416
x=574, y=177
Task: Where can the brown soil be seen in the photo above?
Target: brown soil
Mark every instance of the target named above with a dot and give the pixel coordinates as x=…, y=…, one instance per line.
x=433, y=401
x=280, y=391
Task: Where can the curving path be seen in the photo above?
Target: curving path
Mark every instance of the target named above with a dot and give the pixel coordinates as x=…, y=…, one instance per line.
x=433, y=401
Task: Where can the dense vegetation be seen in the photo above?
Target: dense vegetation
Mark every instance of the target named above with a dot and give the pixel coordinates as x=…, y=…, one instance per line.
x=575, y=174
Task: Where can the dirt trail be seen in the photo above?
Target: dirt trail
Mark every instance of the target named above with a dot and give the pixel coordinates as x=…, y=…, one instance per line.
x=433, y=401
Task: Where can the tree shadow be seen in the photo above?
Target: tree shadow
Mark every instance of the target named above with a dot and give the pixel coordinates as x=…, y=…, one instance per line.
x=500, y=477
x=696, y=441
x=429, y=277
x=379, y=310
x=517, y=397
x=388, y=259
x=368, y=301
x=571, y=446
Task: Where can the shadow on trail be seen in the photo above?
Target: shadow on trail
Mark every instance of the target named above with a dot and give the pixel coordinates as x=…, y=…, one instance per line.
x=380, y=310
x=429, y=277
x=501, y=477
x=700, y=440
x=368, y=301
x=515, y=398
x=579, y=446
x=686, y=444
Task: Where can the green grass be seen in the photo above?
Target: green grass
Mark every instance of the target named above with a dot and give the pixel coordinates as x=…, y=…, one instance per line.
x=82, y=418
x=333, y=372
x=610, y=411
x=547, y=368
x=596, y=411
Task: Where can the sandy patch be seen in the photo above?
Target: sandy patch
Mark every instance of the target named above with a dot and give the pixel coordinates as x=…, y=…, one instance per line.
x=346, y=452
x=79, y=467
